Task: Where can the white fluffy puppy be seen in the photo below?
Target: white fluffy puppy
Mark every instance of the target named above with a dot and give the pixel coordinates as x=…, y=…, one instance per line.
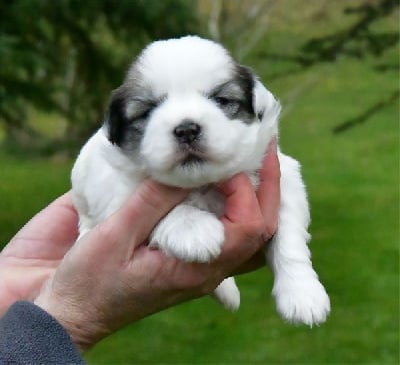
x=188, y=115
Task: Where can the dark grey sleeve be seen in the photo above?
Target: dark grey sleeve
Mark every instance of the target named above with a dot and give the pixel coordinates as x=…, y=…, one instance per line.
x=29, y=335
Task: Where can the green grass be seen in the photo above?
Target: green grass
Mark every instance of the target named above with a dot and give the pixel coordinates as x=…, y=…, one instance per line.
x=353, y=185
x=26, y=186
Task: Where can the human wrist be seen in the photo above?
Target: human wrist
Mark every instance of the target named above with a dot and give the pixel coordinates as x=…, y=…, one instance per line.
x=84, y=333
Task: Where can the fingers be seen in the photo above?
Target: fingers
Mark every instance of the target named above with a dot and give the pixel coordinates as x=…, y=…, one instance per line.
x=241, y=205
x=63, y=221
x=257, y=261
x=268, y=193
x=59, y=219
x=135, y=220
x=251, y=218
x=243, y=222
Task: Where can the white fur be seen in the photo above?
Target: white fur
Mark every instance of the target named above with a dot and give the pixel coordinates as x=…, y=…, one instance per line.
x=181, y=72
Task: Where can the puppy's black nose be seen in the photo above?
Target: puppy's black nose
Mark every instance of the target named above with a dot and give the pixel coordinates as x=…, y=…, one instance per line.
x=187, y=132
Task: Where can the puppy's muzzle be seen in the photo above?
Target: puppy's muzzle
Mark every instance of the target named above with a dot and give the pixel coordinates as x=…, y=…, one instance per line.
x=187, y=132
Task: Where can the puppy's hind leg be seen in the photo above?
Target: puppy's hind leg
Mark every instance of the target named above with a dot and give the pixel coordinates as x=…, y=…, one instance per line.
x=299, y=296
x=227, y=293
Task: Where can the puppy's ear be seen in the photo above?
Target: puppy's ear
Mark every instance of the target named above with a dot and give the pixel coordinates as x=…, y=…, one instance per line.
x=246, y=80
x=266, y=107
x=116, y=120
x=259, y=101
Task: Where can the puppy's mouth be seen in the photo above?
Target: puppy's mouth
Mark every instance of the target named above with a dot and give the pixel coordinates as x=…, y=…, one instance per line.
x=191, y=156
x=192, y=159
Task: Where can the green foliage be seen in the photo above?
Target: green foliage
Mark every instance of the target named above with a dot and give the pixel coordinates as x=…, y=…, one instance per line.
x=358, y=40
x=67, y=55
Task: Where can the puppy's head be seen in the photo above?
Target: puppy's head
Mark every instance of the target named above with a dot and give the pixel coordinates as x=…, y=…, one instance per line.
x=189, y=115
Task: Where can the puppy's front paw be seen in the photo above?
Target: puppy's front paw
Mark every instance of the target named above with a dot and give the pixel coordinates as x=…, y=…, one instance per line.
x=189, y=234
x=301, y=301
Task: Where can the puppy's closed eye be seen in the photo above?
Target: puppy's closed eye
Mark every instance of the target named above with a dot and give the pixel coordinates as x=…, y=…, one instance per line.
x=141, y=109
x=230, y=106
x=127, y=114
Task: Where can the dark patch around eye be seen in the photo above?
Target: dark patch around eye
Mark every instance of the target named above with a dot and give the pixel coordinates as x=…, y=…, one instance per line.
x=235, y=97
x=142, y=110
x=232, y=106
x=144, y=107
x=135, y=129
x=221, y=100
x=124, y=129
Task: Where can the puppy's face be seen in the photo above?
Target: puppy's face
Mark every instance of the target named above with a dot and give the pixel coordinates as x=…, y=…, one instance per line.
x=189, y=115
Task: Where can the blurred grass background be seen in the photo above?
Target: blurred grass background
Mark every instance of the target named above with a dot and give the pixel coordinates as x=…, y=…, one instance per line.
x=341, y=120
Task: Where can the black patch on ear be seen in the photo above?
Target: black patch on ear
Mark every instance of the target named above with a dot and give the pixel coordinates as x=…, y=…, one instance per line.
x=116, y=119
x=246, y=81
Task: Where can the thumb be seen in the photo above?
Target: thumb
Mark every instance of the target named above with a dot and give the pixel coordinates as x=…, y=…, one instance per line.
x=136, y=219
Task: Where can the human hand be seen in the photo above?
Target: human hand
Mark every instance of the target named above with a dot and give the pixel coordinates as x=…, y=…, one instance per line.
x=35, y=252
x=109, y=278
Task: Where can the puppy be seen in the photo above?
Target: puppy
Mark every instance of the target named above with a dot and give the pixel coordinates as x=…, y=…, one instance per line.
x=188, y=115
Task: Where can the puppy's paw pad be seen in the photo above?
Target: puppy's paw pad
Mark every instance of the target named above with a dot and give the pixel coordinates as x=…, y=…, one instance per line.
x=302, y=301
x=194, y=237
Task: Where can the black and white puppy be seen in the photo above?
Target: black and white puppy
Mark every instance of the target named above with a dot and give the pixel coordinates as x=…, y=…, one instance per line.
x=188, y=115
